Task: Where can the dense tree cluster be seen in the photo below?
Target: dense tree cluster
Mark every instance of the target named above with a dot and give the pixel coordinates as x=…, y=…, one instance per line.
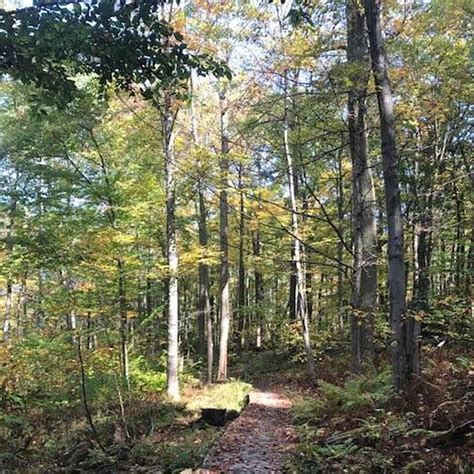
x=155, y=207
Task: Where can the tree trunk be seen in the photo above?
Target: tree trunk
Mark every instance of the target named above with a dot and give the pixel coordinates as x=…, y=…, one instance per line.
x=224, y=291
x=149, y=297
x=210, y=344
x=364, y=295
x=422, y=239
x=258, y=287
x=90, y=336
x=468, y=286
x=204, y=303
x=300, y=291
x=242, y=296
x=8, y=311
x=405, y=353
x=340, y=244
x=309, y=289
x=171, y=251
x=422, y=260
x=122, y=300
x=9, y=292
x=204, y=306
x=460, y=247
x=308, y=271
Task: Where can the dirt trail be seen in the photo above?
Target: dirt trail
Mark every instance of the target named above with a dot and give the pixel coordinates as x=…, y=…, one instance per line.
x=259, y=439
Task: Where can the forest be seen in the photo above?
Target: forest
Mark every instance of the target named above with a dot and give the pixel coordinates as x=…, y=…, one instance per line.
x=236, y=236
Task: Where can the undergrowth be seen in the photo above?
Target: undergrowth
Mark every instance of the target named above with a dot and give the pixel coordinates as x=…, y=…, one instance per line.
x=363, y=425
x=136, y=427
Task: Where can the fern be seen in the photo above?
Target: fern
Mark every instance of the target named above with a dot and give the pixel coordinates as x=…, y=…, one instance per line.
x=357, y=393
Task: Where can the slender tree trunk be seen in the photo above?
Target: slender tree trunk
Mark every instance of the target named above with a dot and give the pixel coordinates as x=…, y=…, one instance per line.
x=460, y=247
x=340, y=245
x=90, y=327
x=210, y=340
x=23, y=306
x=39, y=312
x=364, y=296
x=308, y=271
x=319, y=301
x=204, y=303
x=423, y=232
x=469, y=287
x=309, y=288
x=242, y=296
x=292, y=298
x=423, y=229
x=292, y=306
x=171, y=251
x=210, y=344
x=8, y=310
x=18, y=315
x=300, y=291
x=149, y=297
x=405, y=353
x=122, y=300
x=224, y=291
x=259, y=288
x=9, y=292
x=204, y=307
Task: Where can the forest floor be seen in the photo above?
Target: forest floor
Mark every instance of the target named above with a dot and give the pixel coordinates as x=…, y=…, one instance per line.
x=343, y=424
x=347, y=423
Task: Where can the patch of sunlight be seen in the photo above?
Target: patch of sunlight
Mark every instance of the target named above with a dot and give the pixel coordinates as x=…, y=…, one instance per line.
x=230, y=395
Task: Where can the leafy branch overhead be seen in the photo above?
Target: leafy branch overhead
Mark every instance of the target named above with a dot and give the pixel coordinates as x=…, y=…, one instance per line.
x=127, y=43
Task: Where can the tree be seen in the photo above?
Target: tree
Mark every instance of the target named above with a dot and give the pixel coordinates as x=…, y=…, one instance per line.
x=405, y=329
x=300, y=292
x=204, y=304
x=364, y=296
x=168, y=118
x=224, y=274
x=150, y=54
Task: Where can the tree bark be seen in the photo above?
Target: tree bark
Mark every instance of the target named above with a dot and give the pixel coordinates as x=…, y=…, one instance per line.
x=405, y=344
x=224, y=277
x=364, y=295
x=171, y=250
